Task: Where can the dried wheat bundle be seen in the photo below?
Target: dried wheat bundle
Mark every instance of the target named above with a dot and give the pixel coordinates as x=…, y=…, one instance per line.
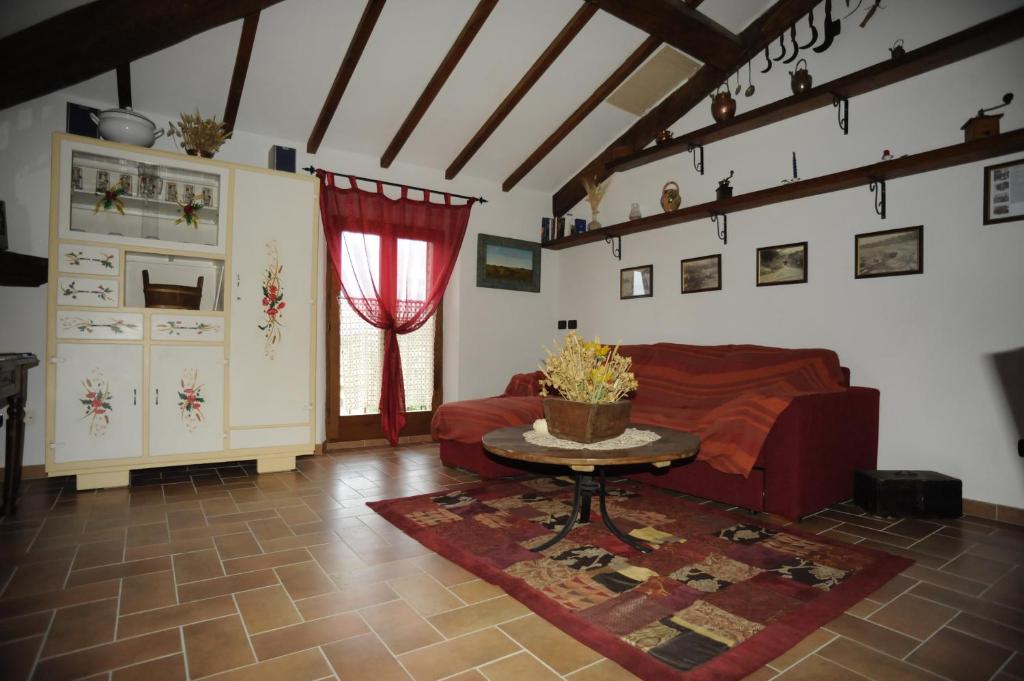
x=587, y=371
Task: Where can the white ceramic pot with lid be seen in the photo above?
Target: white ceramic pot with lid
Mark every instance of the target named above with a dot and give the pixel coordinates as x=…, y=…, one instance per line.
x=127, y=127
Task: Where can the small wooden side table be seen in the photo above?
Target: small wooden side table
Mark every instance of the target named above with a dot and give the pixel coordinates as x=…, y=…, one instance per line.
x=674, y=445
x=13, y=390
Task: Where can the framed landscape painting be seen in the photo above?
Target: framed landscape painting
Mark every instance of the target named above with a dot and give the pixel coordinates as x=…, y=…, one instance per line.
x=784, y=264
x=701, y=274
x=636, y=282
x=889, y=253
x=1004, y=192
x=511, y=264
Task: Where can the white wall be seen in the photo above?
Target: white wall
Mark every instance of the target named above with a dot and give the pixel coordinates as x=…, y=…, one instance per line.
x=925, y=341
x=488, y=334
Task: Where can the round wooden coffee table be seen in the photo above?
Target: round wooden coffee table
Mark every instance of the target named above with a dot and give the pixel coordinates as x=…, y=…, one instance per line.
x=674, y=445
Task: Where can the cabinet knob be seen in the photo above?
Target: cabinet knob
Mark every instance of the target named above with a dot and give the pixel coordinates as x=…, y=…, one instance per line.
x=158, y=396
x=58, y=360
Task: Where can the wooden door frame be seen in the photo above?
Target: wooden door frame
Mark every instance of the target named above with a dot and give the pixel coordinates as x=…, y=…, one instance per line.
x=367, y=426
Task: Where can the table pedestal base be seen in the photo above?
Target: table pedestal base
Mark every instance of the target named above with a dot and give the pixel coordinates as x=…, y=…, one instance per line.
x=584, y=490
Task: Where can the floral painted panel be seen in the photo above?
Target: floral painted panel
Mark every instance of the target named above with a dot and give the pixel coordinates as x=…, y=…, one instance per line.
x=186, y=327
x=97, y=400
x=99, y=325
x=273, y=301
x=191, y=400
x=88, y=259
x=87, y=291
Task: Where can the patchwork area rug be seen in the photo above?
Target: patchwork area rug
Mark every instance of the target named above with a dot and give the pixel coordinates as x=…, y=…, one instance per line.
x=721, y=595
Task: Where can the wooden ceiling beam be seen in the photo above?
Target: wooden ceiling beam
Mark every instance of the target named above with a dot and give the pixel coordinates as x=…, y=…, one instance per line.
x=245, y=43
x=546, y=59
x=444, y=70
x=348, y=66
x=97, y=37
x=633, y=61
x=681, y=26
x=695, y=90
x=124, y=86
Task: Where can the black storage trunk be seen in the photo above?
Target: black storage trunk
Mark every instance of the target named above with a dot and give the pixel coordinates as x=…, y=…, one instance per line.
x=915, y=493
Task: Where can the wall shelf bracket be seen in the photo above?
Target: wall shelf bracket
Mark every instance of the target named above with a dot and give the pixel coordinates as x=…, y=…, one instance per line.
x=877, y=185
x=698, y=156
x=842, y=105
x=722, y=230
x=616, y=242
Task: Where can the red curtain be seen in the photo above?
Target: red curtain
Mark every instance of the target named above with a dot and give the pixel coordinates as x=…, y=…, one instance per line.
x=380, y=248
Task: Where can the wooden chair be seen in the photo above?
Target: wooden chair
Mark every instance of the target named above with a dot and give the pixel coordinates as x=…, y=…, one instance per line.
x=172, y=296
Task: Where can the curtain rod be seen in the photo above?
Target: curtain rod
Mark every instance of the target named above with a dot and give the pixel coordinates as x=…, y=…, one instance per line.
x=311, y=170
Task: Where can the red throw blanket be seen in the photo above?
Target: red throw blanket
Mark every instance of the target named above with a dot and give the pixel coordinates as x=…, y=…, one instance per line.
x=729, y=395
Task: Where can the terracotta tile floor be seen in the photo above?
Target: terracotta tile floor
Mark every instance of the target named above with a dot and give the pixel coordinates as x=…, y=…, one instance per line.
x=215, y=572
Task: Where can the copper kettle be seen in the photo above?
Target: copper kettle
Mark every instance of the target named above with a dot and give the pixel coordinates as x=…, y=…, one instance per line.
x=800, y=80
x=723, y=106
x=670, y=197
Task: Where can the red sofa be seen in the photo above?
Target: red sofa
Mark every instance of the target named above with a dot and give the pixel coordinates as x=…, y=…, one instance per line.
x=803, y=448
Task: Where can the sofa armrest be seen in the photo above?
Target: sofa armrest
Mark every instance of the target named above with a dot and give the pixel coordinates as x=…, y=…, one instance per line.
x=815, y=446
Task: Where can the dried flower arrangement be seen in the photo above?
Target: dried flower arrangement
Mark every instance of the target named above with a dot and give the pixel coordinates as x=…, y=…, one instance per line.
x=595, y=193
x=199, y=136
x=587, y=371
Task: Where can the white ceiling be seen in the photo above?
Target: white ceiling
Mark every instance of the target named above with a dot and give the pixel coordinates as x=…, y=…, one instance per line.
x=300, y=43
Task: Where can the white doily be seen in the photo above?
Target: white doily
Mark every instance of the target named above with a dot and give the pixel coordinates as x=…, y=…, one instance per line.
x=633, y=437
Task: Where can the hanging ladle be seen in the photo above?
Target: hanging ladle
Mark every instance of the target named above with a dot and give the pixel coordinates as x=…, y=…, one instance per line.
x=782, y=44
x=749, y=92
x=739, y=85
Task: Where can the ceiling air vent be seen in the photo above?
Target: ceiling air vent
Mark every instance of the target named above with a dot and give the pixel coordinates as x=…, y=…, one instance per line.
x=649, y=84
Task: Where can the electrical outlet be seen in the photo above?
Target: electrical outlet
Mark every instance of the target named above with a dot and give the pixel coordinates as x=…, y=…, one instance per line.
x=561, y=324
x=572, y=323
x=30, y=415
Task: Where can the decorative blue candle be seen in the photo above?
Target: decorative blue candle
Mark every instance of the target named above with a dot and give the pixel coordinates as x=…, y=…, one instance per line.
x=794, y=165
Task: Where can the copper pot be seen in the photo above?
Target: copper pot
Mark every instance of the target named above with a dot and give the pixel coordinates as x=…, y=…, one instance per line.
x=800, y=80
x=723, y=107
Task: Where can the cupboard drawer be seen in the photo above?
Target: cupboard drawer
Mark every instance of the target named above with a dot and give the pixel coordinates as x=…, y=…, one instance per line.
x=78, y=259
x=88, y=291
x=81, y=324
x=253, y=438
x=185, y=327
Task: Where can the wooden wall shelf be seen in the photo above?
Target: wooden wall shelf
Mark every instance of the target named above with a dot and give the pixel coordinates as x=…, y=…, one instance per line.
x=957, y=154
x=967, y=43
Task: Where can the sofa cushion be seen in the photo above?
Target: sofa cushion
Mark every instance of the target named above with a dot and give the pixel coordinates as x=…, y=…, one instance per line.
x=524, y=385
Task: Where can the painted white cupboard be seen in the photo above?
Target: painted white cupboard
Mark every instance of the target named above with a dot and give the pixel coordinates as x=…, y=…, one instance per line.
x=132, y=386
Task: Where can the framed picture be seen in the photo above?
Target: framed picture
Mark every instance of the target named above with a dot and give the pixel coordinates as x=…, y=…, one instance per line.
x=636, y=282
x=889, y=253
x=701, y=274
x=511, y=264
x=784, y=264
x=1004, y=192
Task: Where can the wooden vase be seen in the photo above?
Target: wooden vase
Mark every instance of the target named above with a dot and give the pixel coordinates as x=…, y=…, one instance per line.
x=585, y=422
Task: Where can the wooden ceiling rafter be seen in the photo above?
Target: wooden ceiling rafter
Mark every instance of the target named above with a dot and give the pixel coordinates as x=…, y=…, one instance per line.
x=44, y=58
x=444, y=70
x=680, y=25
x=543, y=62
x=633, y=61
x=348, y=66
x=124, y=85
x=624, y=71
x=245, y=43
x=761, y=32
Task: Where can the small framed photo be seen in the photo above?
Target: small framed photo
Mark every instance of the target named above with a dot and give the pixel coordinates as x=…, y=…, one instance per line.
x=701, y=274
x=511, y=264
x=1004, y=192
x=889, y=253
x=783, y=264
x=636, y=282
x=172, y=192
